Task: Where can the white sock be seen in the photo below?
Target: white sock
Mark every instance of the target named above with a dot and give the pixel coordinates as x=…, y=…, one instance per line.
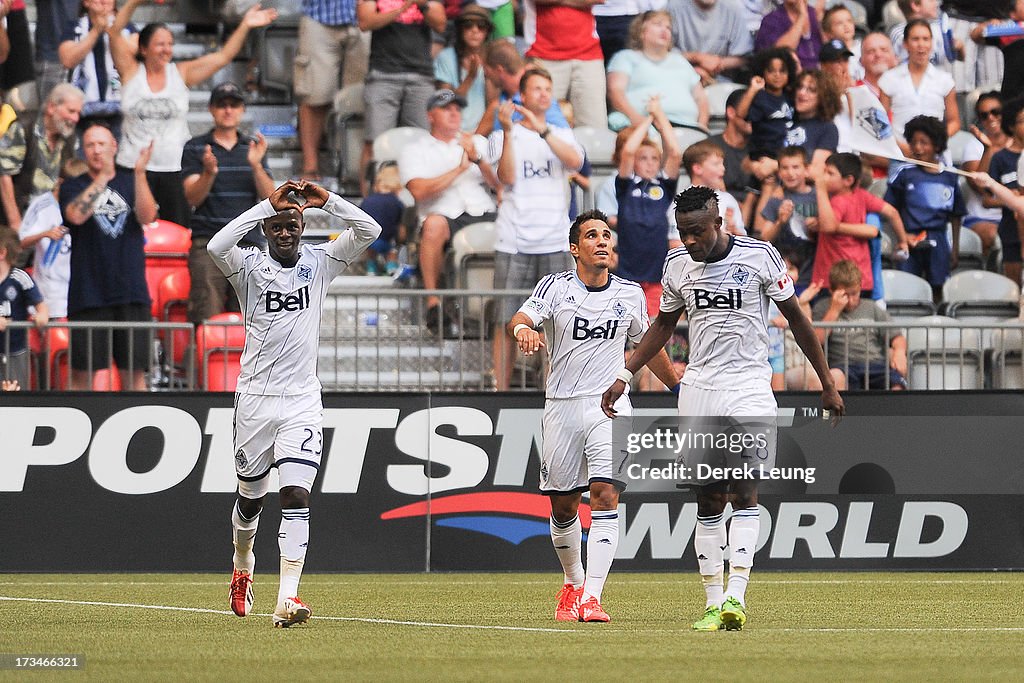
x=738, y=578
x=709, y=542
x=714, y=589
x=601, y=544
x=292, y=540
x=743, y=531
x=567, y=537
x=243, y=533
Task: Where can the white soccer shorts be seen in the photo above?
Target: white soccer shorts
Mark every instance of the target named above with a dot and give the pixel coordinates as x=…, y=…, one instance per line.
x=578, y=445
x=285, y=432
x=752, y=411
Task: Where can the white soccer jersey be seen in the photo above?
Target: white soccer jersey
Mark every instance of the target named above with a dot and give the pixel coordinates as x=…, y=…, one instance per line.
x=281, y=305
x=534, y=214
x=589, y=330
x=726, y=302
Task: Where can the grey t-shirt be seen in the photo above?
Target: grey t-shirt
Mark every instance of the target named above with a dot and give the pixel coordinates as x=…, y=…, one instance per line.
x=856, y=345
x=720, y=30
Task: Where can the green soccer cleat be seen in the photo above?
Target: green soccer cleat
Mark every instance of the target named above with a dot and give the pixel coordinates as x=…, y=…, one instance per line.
x=734, y=615
x=711, y=621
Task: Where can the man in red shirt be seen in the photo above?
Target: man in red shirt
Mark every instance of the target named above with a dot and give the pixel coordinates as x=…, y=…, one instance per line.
x=563, y=37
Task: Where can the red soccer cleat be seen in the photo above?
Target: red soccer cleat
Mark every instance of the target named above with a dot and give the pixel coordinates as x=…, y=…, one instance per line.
x=591, y=610
x=241, y=592
x=568, y=599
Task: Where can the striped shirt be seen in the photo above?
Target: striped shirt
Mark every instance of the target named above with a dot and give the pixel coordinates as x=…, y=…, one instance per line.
x=331, y=12
x=586, y=330
x=233, y=191
x=726, y=302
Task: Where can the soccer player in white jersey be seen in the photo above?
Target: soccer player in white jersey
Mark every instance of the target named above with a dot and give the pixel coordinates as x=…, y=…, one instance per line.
x=724, y=282
x=278, y=410
x=591, y=313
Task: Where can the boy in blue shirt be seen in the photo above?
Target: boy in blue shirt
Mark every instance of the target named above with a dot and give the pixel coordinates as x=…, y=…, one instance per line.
x=928, y=199
x=17, y=293
x=645, y=189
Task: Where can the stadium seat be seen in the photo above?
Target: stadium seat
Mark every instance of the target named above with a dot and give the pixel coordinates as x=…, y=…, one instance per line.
x=942, y=354
x=389, y=144
x=472, y=258
x=167, y=246
x=55, y=357
x=979, y=294
x=599, y=144
x=220, y=351
x=718, y=93
x=906, y=294
x=689, y=136
x=957, y=144
x=1007, y=359
x=971, y=250
x=344, y=131
x=172, y=299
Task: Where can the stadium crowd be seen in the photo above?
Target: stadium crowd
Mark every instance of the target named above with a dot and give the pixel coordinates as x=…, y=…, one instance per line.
x=498, y=87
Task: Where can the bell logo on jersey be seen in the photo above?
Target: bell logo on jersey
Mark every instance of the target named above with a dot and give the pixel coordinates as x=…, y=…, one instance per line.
x=731, y=299
x=297, y=301
x=582, y=331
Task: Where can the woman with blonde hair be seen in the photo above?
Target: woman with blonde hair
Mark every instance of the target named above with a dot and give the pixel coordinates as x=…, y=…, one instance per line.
x=653, y=67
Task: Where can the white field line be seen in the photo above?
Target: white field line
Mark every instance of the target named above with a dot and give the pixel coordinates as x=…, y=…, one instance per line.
x=435, y=579
x=202, y=610
x=483, y=627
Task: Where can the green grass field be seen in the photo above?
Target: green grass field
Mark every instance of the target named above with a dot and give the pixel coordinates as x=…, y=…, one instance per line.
x=822, y=627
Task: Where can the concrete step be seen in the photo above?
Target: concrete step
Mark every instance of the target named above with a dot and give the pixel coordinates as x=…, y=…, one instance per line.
x=404, y=381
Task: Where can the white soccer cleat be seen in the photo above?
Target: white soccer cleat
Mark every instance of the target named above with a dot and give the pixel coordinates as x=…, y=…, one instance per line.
x=290, y=612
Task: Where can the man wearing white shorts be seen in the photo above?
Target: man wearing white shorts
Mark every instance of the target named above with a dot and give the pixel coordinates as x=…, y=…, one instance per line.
x=278, y=410
x=724, y=283
x=590, y=313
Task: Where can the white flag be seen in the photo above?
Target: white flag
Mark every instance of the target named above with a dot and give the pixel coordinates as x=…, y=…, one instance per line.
x=870, y=130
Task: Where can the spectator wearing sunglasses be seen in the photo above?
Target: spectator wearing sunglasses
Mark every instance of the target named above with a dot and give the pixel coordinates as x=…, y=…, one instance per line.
x=983, y=213
x=460, y=67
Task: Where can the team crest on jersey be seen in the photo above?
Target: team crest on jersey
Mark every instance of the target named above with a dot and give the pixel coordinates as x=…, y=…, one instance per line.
x=240, y=460
x=619, y=309
x=305, y=273
x=656, y=192
x=11, y=293
x=741, y=275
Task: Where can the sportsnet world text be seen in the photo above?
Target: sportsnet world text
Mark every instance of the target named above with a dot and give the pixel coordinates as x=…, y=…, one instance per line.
x=705, y=472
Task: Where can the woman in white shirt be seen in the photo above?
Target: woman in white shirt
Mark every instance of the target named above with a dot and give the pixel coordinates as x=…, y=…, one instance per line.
x=917, y=87
x=154, y=100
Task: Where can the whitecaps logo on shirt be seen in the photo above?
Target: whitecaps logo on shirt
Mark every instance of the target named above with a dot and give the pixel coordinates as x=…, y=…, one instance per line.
x=111, y=214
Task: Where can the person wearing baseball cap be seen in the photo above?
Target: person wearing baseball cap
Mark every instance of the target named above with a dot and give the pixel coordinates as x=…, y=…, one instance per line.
x=224, y=174
x=448, y=176
x=834, y=50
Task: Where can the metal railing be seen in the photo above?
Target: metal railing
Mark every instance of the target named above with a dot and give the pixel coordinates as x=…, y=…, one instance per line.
x=378, y=339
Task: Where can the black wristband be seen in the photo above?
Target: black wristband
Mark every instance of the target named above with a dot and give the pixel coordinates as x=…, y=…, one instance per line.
x=545, y=133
